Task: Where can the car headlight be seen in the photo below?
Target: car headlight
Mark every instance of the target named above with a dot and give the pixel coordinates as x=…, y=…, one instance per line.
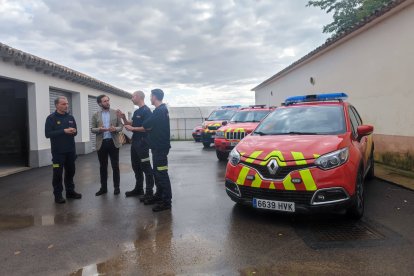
x=333, y=159
x=220, y=134
x=234, y=157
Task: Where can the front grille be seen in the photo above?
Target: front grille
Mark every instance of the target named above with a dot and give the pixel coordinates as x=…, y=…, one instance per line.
x=235, y=135
x=281, y=172
x=213, y=127
x=302, y=197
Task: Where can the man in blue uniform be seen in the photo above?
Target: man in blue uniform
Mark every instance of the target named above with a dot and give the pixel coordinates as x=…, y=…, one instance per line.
x=61, y=128
x=158, y=127
x=140, y=159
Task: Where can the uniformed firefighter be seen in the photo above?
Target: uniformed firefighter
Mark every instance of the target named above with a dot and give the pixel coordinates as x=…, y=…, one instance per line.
x=61, y=128
x=140, y=159
x=158, y=127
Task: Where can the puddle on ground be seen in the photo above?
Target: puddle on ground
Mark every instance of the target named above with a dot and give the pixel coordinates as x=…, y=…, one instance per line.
x=156, y=242
x=14, y=222
x=299, y=268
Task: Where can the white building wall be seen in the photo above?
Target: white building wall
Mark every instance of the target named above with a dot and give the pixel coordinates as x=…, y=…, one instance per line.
x=38, y=108
x=375, y=68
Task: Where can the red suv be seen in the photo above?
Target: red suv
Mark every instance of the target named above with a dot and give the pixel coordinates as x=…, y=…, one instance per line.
x=239, y=126
x=312, y=153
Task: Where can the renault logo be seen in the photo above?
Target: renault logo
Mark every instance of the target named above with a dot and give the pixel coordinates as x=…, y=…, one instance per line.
x=272, y=166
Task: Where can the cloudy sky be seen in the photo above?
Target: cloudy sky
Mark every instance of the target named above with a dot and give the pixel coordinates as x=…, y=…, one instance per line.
x=199, y=52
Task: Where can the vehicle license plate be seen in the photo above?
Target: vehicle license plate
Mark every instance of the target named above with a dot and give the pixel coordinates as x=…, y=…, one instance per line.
x=274, y=205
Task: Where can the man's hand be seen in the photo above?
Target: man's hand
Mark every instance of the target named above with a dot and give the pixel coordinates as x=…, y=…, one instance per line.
x=120, y=114
x=70, y=130
x=129, y=127
x=102, y=129
x=112, y=129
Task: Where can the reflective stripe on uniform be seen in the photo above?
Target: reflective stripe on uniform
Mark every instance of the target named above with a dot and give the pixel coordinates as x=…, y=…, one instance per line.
x=299, y=158
x=163, y=168
x=56, y=165
x=308, y=181
x=242, y=176
x=145, y=159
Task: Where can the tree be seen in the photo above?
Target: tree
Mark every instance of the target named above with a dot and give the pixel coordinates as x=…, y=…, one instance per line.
x=347, y=12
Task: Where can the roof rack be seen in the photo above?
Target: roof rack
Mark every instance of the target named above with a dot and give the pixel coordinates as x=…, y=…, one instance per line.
x=316, y=98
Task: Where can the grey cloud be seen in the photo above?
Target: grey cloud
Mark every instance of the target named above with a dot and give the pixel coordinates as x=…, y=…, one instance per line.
x=223, y=48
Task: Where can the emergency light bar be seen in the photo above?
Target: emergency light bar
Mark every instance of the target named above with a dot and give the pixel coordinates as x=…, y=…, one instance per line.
x=231, y=106
x=316, y=98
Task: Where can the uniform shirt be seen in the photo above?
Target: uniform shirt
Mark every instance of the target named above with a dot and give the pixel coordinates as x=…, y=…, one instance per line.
x=140, y=115
x=159, y=126
x=106, y=119
x=54, y=129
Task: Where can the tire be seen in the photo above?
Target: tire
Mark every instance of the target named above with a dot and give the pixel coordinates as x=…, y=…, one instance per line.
x=222, y=156
x=371, y=172
x=356, y=211
x=206, y=144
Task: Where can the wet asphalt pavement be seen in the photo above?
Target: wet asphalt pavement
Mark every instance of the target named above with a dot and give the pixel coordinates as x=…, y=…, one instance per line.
x=205, y=233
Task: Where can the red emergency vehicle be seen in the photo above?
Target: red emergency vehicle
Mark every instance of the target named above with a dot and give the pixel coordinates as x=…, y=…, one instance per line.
x=313, y=153
x=215, y=121
x=239, y=126
x=197, y=133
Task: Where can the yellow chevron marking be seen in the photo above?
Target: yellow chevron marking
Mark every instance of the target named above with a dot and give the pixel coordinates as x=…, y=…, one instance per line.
x=253, y=156
x=316, y=155
x=272, y=186
x=276, y=153
x=257, y=182
x=242, y=176
x=308, y=180
x=299, y=158
x=287, y=182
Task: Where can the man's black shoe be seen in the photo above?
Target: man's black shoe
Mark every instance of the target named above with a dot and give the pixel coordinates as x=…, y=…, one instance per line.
x=101, y=192
x=134, y=193
x=73, y=195
x=60, y=200
x=145, y=197
x=152, y=200
x=116, y=191
x=161, y=207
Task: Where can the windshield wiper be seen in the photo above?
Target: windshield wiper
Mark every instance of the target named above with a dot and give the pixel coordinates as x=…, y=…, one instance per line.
x=260, y=133
x=301, y=133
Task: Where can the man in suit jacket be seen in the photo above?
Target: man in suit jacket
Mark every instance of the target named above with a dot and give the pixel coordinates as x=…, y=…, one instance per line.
x=106, y=125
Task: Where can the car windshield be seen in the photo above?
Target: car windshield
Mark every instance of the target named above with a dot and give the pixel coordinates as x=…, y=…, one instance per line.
x=312, y=120
x=249, y=116
x=221, y=115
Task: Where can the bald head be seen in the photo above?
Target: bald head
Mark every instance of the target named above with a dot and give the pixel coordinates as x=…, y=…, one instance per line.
x=138, y=98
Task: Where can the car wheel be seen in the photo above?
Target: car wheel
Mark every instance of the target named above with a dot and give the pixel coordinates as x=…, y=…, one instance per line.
x=206, y=144
x=371, y=172
x=222, y=156
x=356, y=211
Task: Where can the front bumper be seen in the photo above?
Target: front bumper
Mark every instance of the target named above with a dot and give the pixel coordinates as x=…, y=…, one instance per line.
x=302, y=199
x=208, y=137
x=224, y=145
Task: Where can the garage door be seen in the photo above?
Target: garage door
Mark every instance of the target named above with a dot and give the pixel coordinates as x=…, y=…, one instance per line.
x=54, y=93
x=93, y=107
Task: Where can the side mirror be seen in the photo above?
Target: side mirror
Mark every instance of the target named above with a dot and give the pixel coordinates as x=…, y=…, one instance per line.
x=364, y=130
x=224, y=123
